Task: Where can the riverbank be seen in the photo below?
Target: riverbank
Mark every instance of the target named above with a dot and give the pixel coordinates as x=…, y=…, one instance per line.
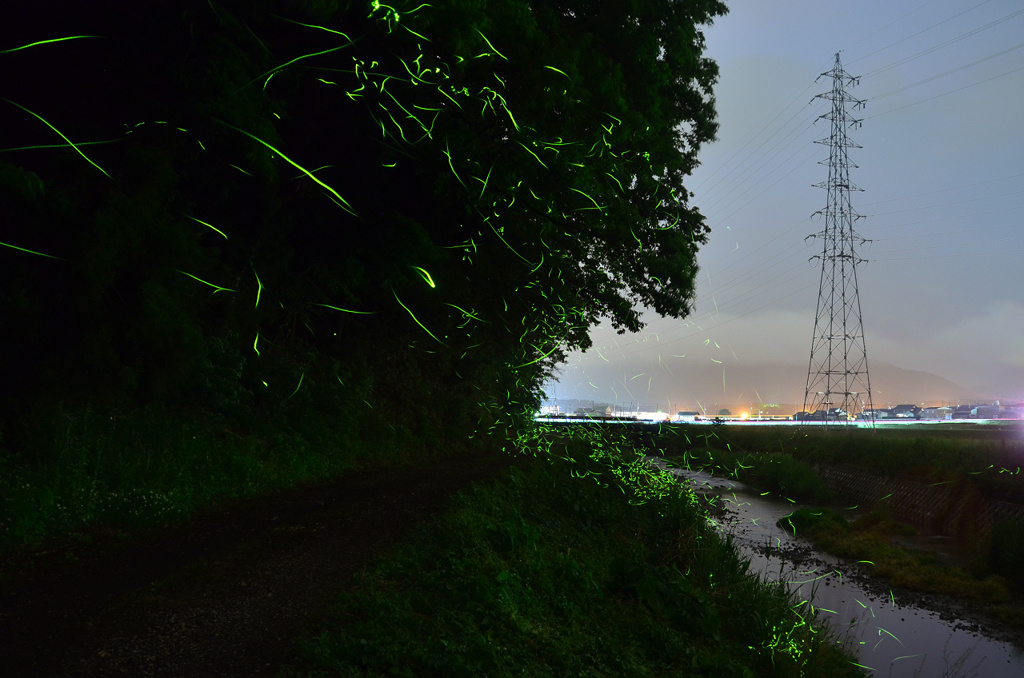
x=565, y=568
x=953, y=557
x=898, y=633
x=580, y=558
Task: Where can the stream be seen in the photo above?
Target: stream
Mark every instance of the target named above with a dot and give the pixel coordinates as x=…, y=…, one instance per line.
x=891, y=635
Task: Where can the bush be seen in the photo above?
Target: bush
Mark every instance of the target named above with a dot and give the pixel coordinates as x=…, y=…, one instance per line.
x=809, y=521
x=1007, y=552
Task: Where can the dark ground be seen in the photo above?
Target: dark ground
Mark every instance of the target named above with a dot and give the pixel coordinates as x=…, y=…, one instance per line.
x=227, y=593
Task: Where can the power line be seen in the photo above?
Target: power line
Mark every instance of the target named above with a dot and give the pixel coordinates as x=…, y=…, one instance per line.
x=924, y=30
x=950, y=71
x=945, y=43
x=937, y=96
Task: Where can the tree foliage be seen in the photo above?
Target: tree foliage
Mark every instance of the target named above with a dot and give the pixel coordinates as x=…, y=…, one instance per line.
x=432, y=200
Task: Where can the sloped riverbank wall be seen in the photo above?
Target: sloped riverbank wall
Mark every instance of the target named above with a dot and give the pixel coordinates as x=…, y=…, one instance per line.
x=958, y=509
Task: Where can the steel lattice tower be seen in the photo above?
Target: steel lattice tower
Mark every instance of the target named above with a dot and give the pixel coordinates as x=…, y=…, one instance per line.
x=837, y=376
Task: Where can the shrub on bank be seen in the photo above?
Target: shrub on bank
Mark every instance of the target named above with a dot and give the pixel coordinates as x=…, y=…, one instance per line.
x=1007, y=550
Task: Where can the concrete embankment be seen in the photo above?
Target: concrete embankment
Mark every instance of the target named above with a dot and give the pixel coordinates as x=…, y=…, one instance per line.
x=960, y=509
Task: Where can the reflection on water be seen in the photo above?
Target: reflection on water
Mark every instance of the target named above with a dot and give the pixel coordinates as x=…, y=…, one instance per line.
x=892, y=638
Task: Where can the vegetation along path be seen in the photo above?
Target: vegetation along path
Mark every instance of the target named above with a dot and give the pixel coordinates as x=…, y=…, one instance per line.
x=225, y=594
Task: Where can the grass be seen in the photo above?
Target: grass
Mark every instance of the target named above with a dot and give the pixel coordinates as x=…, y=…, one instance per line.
x=769, y=471
x=868, y=541
x=991, y=456
x=562, y=568
x=121, y=471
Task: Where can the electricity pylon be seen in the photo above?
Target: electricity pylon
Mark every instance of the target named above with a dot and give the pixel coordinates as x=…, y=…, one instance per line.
x=838, y=386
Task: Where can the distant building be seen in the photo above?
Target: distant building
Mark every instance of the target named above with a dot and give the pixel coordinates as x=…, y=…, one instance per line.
x=906, y=411
x=985, y=412
x=963, y=412
x=687, y=416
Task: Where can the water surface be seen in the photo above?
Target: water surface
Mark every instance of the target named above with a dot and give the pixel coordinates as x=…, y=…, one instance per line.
x=890, y=635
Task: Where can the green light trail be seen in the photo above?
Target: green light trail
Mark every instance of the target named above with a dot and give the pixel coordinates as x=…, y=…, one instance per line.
x=338, y=199
x=46, y=42
x=216, y=288
x=200, y=221
x=70, y=143
x=413, y=316
x=28, y=251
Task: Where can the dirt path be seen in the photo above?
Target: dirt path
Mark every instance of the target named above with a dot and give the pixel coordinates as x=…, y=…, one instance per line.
x=225, y=594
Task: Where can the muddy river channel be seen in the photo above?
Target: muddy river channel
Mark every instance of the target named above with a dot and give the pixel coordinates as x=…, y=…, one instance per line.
x=893, y=633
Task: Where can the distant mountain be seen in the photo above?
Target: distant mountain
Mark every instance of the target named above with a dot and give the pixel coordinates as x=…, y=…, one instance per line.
x=776, y=384
x=892, y=383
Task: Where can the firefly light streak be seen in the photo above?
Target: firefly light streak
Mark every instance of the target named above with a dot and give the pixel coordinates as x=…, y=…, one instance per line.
x=60, y=134
x=336, y=196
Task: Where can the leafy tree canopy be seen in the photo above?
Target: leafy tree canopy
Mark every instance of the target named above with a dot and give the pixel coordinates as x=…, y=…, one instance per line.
x=447, y=195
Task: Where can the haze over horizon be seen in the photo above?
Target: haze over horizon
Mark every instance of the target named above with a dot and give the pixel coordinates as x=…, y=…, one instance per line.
x=942, y=167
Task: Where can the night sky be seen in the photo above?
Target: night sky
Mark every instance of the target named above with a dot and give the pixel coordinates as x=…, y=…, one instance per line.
x=942, y=172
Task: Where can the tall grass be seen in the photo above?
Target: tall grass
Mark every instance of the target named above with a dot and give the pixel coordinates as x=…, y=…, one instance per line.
x=991, y=457
x=148, y=466
x=770, y=471
x=561, y=570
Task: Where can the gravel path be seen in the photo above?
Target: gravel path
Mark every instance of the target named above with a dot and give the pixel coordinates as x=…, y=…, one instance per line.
x=226, y=594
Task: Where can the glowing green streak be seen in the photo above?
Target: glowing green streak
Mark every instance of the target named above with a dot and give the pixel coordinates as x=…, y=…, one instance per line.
x=484, y=181
x=509, y=246
x=413, y=316
x=259, y=287
x=256, y=341
x=401, y=131
x=537, y=157
x=345, y=310
x=464, y=312
x=341, y=201
x=539, y=264
x=423, y=38
x=552, y=68
x=425, y=275
x=46, y=42
x=301, y=377
x=22, y=249
x=70, y=143
x=538, y=359
x=616, y=180
x=450, y=97
x=40, y=146
x=322, y=28
x=273, y=71
x=491, y=46
x=216, y=288
x=881, y=630
x=448, y=154
x=427, y=130
x=598, y=207
x=200, y=221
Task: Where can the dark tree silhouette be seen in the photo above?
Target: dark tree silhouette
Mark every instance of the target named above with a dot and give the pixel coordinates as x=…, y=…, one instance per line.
x=254, y=203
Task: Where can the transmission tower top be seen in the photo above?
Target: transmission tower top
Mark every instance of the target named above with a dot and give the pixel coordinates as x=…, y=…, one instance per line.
x=838, y=386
